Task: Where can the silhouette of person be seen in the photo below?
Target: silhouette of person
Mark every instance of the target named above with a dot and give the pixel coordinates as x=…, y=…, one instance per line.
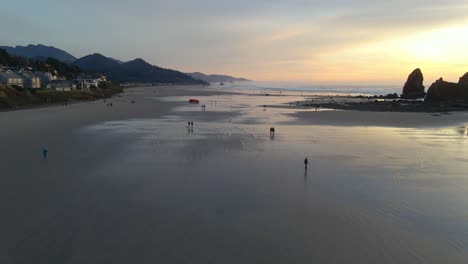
x=45, y=152
x=306, y=162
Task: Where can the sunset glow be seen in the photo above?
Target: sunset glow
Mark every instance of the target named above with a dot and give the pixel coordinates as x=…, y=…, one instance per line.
x=334, y=42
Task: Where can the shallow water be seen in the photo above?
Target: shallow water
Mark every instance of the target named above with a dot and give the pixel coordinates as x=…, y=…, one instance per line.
x=228, y=192
x=314, y=88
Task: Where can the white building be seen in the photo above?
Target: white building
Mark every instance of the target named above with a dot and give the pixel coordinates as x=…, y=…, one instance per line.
x=102, y=78
x=62, y=86
x=6, y=70
x=31, y=82
x=46, y=77
x=87, y=84
x=10, y=79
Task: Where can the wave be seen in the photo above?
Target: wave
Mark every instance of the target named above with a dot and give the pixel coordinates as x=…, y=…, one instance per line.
x=319, y=89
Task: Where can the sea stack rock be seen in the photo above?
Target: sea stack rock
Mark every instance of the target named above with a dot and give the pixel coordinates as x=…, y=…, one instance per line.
x=414, y=87
x=447, y=91
x=464, y=80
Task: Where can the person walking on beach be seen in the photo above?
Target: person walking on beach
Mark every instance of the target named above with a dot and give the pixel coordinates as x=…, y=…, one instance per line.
x=306, y=162
x=45, y=152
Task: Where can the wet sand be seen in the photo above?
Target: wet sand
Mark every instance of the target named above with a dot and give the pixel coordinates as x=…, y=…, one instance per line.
x=386, y=119
x=133, y=184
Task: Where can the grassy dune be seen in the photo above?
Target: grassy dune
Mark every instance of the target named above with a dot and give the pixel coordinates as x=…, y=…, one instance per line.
x=11, y=98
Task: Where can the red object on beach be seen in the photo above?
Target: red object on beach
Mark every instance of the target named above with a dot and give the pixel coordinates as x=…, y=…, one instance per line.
x=194, y=101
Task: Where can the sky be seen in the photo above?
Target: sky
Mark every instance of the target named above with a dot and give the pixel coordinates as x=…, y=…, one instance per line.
x=334, y=41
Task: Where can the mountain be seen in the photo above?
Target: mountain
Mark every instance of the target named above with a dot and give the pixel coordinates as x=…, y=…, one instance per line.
x=136, y=70
x=97, y=63
x=50, y=64
x=216, y=78
x=40, y=52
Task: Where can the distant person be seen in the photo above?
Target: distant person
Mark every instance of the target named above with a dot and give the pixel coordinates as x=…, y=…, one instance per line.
x=306, y=162
x=45, y=151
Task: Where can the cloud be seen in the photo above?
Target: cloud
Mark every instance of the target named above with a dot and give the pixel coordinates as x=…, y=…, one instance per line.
x=256, y=38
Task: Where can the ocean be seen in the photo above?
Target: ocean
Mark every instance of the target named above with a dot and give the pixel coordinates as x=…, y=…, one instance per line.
x=314, y=88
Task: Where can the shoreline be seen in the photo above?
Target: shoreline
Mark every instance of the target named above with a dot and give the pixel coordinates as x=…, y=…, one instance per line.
x=379, y=104
x=353, y=118
x=103, y=95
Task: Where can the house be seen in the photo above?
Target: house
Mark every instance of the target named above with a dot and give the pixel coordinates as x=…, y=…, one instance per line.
x=31, y=81
x=102, y=78
x=93, y=83
x=46, y=77
x=6, y=70
x=87, y=84
x=81, y=84
x=62, y=86
x=10, y=79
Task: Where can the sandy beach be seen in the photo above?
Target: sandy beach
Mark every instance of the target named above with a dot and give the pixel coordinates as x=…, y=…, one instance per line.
x=133, y=184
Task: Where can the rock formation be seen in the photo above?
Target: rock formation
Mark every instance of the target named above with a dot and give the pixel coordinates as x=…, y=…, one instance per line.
x=464, y=79
x=414, y=88
x=448, y=91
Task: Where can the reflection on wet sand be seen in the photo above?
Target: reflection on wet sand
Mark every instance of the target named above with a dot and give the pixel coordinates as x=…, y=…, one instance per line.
x=382, y=172
x=230, y=191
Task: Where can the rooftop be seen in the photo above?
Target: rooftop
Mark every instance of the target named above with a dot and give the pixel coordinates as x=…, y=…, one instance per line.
x=10, y=75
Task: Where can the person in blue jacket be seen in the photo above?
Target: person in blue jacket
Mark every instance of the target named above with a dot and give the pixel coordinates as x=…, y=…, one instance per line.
x=44, y=152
